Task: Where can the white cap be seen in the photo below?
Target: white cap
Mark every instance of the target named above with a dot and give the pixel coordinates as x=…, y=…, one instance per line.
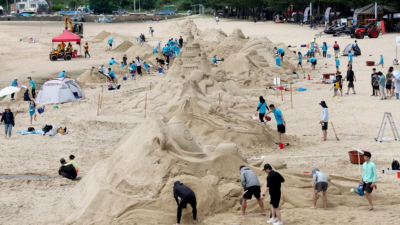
x=15, y=78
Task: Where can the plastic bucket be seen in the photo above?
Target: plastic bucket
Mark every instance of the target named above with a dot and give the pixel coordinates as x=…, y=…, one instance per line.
x=281, y=145
x=353, y=155
x=280, y=88
x=398, y=174
x=370, y=63
x=329, y=56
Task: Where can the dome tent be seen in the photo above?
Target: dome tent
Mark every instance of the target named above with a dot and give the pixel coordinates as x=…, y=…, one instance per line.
x=59, y=90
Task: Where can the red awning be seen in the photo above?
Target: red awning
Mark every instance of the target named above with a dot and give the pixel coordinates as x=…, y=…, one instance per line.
x=67, y=36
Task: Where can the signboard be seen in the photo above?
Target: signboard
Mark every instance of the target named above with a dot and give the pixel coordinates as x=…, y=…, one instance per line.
x=398, y=40
x=306, y=14
x=328, y=10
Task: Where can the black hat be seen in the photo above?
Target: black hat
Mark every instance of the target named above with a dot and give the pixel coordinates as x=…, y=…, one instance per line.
x=176, y=183
x=322, y=103
x=267, y=166
x=368, y=154
x=62, y=160
x=373, y=69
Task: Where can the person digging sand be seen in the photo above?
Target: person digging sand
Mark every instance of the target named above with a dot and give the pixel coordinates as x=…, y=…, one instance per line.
x=251, y=186
x=187, y=196
x=320, y=183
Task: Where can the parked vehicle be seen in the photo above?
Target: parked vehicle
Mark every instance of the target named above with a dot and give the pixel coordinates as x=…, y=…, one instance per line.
x=119, y=12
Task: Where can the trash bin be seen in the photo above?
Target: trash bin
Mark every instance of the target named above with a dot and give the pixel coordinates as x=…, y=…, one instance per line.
x=353, y=155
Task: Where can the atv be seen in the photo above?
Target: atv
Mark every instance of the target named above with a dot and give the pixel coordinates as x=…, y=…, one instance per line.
x=55, y=55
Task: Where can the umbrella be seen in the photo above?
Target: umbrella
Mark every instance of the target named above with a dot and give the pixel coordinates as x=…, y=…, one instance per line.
x=396, y=74
x=9, y=91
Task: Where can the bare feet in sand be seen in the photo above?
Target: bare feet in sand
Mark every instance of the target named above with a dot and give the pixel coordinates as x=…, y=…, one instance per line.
x=242, y=216
x=313, y=207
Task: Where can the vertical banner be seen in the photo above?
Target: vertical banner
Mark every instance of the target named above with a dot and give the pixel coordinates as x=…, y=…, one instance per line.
x=355, y=15
x=376, y=11
x=306, y=14
x=398, y=40
x=328, y=10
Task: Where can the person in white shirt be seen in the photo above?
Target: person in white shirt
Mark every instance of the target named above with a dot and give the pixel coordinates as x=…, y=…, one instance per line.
x=216, y=19
x=102, y=69
x=324, y=120
x=139, y=66
x=396, y=83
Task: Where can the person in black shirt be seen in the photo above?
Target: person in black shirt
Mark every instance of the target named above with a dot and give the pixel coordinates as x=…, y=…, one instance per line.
x=339, y=78
x=274, y=181
x=67, y=171
x=372, y=81
x=187, y=196
x=181, y=41
x=351, y=77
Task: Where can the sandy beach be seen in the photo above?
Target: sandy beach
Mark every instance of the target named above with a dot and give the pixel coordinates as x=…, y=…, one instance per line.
x=128, y=163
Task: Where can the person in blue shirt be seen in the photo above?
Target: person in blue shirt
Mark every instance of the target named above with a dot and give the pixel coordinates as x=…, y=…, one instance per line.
x=112, y=76
x=14, y=83
x=102, y=69
x=62, y=74
x=368, y=178
x=122, y=65
x=312, y=50
x=214, y=59
x=280, y=121
x=324, y=49
x=110, y=43
x=350, y=58
x=337, y=62
x=165, y=49
x=381, y=61
x=32, y=85
x=313, y=62
x=146, y=66
x=32, y=110
x=112, y=62
x=262, y=109
x=155, y=50
x=133, y=68
x=278, y=60
x=300, y=60
x=280, y=51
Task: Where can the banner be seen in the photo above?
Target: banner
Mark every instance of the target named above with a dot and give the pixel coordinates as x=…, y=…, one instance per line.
x=398, y=40
x=354, y=21
x=328, y=10
x=306, y=14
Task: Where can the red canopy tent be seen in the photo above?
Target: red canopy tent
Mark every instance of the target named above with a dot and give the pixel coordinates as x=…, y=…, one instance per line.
x=67, y=36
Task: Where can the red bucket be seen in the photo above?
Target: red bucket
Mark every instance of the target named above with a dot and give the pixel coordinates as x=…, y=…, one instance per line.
x=398, y=174
x=280, y=88
x=281, y=145
x=354, y=157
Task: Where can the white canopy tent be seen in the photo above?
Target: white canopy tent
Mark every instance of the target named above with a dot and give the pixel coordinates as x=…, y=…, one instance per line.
x=59, y=90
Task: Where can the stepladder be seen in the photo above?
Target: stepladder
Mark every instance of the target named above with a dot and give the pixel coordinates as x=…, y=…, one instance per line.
x=387, y=118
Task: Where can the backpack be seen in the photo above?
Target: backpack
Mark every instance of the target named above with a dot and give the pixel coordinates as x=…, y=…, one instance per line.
x=30, y=129
x=46, y=128
x=395, y=165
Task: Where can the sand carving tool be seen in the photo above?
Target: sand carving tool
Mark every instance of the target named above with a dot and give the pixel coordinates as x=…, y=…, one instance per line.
x=334, y=131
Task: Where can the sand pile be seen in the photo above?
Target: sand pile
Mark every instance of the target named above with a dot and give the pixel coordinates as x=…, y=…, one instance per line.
x=91, y=76
x=118, y=39
x=123, y=47
x=101, y=36
x=232, y=44
x=145, y=52
x=210, y=38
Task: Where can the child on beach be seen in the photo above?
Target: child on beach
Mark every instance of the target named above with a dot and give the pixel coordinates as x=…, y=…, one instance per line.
x=133, y=70
x=350, y=58
x=32, y=110
x=335, y=88
x=72, y=162
x=375, y=83
x=381, y=61
x=337, y=61
x=300, y=60
x=324, y=49
x=146, y=66
x=313, y=62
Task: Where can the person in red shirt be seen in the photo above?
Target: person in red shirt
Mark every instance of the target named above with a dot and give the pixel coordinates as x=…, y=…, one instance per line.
x=86, y=46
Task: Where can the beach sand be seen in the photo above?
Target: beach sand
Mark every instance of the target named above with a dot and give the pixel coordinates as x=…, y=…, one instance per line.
x=117, y=150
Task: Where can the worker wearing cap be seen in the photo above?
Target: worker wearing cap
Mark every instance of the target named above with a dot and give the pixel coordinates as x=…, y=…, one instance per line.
x=86, y=46
x=62, y=46
x=274, y=181
x=14, y=83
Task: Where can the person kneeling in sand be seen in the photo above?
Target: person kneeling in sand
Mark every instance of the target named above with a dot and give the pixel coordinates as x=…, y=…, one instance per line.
x=251, y=186
x=67, y=171
x=112, y=76
x=187, y=196
x=320, y=183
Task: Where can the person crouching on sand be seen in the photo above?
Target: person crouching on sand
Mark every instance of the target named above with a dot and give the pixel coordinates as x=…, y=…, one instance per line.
x=112, y=76
x=251, y=186
x=320, y=183
x=187, y=196
x=313, y=62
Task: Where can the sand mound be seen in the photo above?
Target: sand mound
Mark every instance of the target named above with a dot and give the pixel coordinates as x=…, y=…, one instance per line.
x=212, y=35
x=232, y=44
x=123, y=47
x=91, y=76
x=101, y=36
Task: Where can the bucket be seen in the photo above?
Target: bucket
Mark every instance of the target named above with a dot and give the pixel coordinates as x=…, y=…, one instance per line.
x=353, y=155
x=280, y=88
x=370, y=63
x=398, y=174
x=281, y=145
x=329, y=56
